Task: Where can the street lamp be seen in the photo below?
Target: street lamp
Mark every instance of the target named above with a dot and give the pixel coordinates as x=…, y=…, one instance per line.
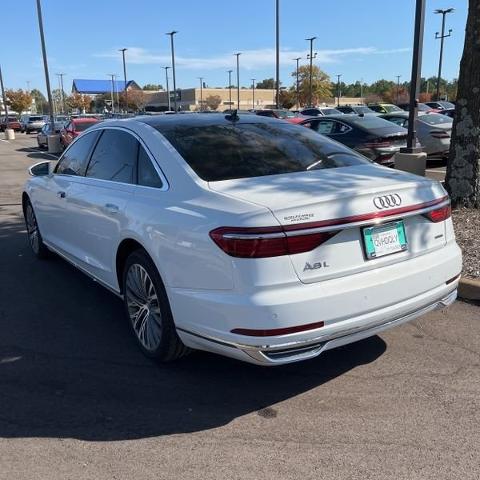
x=123, y=50
x=60, y=85
x=398, y=87
x=310, y=57
x=172, y=47
x=339, y=93
x=238, y=79
x=4, y=98
x=253, y=92
x=297, y=88
x=112, y=75
x=201, y=93
x=442, y=37
x=45, y=65
x=277, y=53
x=168, y=90
x=230, y=88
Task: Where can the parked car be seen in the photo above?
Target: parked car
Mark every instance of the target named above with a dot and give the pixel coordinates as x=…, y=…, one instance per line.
x=441, y=105
x=422, y=108
x=320, y=111
x=246, y=236
x=276, y=113
x=11, y=123
x=433, y=131
x=32, y=123
x=384, y=107
x=356, y=109
x=74, y=128
x=42, y=135
x=374, y=137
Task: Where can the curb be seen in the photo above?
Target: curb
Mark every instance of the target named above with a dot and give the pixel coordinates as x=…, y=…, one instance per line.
x=469, y=288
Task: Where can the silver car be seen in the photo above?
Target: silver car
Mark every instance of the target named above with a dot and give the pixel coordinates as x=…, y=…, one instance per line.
x=42, y=136
x=32, y=123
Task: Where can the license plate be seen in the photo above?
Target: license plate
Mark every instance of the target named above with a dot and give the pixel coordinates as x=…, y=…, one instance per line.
x=384, y=239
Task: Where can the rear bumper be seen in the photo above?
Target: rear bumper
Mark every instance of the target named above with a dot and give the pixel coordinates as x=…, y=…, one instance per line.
x=364, y=302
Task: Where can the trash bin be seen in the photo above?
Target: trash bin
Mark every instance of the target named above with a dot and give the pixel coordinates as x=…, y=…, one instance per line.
x=9, y=134
x=54, y=144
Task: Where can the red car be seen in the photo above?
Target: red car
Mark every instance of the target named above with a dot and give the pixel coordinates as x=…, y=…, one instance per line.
x=13, y=123
x=74, y=128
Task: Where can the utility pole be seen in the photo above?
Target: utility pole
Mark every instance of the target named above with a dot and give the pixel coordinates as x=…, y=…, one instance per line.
x=398, y=87
x=297, y=85
x=339, y=93
x=277, y=53
x=60, y=86
x=201, y=93
x=45, y=65
x=253, y=93
x=123, y=50
x=442, y=38
x=230, y=88
x=238, y=79
x=172, y=48
x=4, y=98
x=310, y=57
x=168, y=90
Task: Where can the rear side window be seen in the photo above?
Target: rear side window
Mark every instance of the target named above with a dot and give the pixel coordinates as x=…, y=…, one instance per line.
x=75, y=159
x=225, y=151
x=114, y=157
x=81, y=126
x=147, y=175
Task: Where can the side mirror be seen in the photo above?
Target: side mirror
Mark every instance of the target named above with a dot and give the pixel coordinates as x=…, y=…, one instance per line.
x=41, y=169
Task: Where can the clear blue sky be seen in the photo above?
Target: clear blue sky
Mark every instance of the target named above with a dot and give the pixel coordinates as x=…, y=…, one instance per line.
x=367, y=39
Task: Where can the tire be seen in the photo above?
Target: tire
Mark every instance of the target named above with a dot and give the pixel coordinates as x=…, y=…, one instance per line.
x=34, y=236
x=148, y=310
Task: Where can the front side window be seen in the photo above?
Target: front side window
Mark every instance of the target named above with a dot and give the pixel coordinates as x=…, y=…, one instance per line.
x=226, y=151
x=114, y=157
x=75, y=159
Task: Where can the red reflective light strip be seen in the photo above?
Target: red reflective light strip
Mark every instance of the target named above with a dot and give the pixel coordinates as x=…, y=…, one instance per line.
x=365, y=216
x=440, y=214
x=277, y=331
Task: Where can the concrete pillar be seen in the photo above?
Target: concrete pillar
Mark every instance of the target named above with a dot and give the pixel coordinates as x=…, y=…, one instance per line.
x=411, y=162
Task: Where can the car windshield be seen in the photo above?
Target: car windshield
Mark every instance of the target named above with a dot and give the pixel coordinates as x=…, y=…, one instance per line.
x=285, y=114
x=331, y=111
x=12, y=119
x=81, y=126
x=447, y=104
x=435, y=119
x=363, y=110
x=369, y=122
x=222, y=152
x=35, y=119
x=392, y=108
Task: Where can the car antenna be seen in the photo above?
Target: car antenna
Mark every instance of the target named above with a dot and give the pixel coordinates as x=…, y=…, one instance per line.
x=233, y=116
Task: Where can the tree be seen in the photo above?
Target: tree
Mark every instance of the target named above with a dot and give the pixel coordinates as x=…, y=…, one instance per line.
x=79, y=101
x=288, y=98
x=18, y=100
x=152, y=86
x=213, y=101
x=57, y=98
x=391, y=95
x=266, y=83
x=136, y=100
x=41, y=103
x=321, y=85
x=463, y=167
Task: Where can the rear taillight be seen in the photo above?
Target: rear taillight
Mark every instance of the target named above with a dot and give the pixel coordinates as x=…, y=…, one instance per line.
x=266, y=242
x=384, y=144
x=439, y=134
x=439, y=214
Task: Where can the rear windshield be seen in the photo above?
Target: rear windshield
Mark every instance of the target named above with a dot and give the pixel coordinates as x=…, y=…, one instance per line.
x=285, y=114
x=35, y=119
x=447, y=104
x=222, y=152
x=12, y=119
x=81, y=126
x=435, y=119
x=370, y=122
x=330, y=111
x=363, y=110
x=392, y=108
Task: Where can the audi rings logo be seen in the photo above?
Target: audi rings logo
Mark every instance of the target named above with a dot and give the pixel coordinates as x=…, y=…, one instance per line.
x=387, y=201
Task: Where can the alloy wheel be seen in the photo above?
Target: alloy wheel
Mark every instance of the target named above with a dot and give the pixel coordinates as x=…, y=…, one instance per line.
x=32, y=229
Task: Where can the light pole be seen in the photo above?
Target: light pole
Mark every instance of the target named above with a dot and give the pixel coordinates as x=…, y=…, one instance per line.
x=442, y=37
x=398, y=87
x=201, y=93
x=253, y=93
x=123, y=50
x=4, y=98
x=310, y=57
x=112, y=75
x=172, y=47
x=361, y=89
x=277, y=53
x=238, y=79
x=415, y=78
x=230, y=88
x=60, y=86
x=168, y=90
x=297, y=87
x=339, y=93
x=45, y=65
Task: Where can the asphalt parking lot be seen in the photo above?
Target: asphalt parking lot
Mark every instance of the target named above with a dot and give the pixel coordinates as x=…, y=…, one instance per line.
x=78, y=400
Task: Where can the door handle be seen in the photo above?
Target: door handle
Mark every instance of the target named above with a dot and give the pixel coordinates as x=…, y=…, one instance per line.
x=61, y=194
x=111, y=208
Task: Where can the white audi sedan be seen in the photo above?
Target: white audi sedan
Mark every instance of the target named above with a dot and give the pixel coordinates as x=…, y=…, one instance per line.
x=244, y=235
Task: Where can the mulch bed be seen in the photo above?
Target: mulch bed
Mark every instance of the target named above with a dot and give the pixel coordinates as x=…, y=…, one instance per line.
x=467, y=231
